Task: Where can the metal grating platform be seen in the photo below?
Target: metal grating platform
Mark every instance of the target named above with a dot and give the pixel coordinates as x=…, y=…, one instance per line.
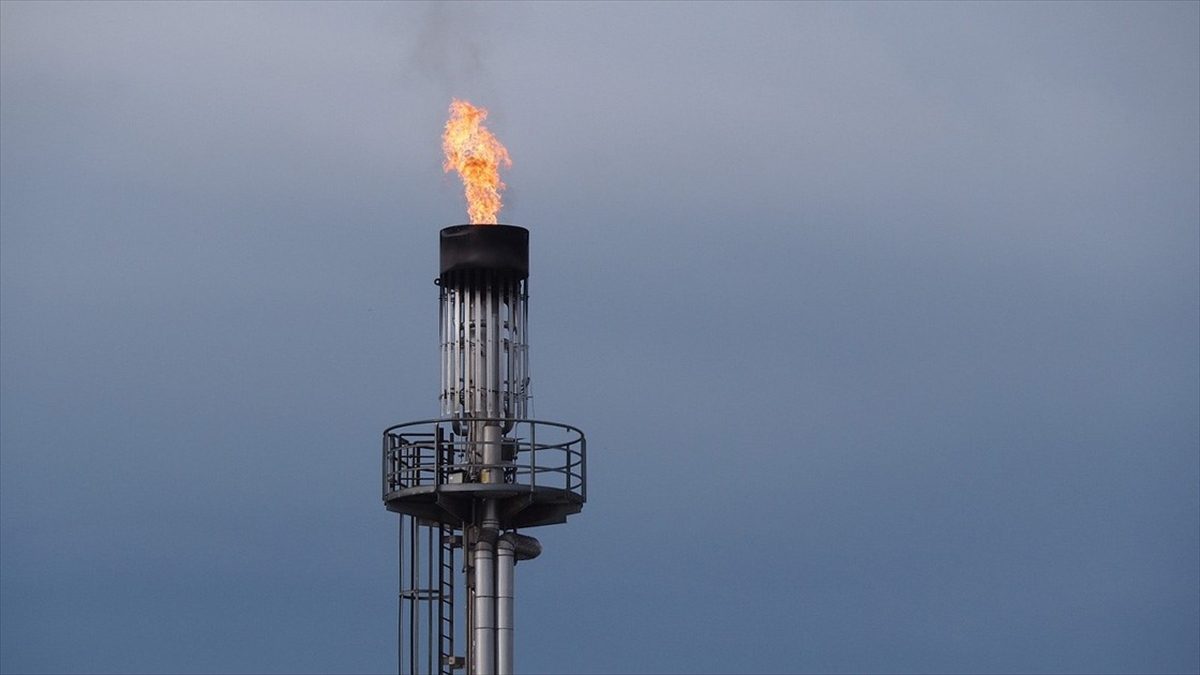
x=430, y=471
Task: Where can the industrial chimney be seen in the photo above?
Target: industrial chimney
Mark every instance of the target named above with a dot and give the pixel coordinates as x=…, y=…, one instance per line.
x=466, y=482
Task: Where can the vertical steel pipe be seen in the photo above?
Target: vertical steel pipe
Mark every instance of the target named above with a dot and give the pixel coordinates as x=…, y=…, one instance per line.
x=484, y=616
x=505, y=563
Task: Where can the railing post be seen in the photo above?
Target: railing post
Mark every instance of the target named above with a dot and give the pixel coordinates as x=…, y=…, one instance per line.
x=533, y=448
x=437, y=454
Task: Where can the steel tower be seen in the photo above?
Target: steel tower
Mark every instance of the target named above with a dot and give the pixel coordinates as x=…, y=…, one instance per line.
x=465, y=483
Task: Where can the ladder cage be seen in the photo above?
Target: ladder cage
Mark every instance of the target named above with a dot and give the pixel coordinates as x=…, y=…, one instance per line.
x=425, y=621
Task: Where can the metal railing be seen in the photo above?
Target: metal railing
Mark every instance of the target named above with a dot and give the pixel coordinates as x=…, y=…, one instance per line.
x=537, y=455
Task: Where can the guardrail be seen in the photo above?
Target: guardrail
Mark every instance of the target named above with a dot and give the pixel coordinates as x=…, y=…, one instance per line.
x=537, y=455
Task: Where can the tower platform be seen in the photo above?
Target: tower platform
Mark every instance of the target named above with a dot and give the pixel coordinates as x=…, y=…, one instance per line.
x=431, y=472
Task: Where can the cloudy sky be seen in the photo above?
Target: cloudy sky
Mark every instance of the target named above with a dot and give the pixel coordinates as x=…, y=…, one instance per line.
x=883, y=321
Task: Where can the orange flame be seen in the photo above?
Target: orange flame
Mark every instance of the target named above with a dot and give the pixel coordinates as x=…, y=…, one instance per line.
x=475, y=153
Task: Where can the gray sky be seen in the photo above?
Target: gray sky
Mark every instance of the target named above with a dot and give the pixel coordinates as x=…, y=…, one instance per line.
x=883, y=322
